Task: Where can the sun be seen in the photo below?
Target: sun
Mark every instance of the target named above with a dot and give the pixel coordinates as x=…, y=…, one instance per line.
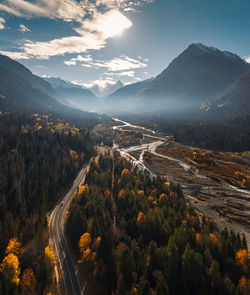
x=114, y=23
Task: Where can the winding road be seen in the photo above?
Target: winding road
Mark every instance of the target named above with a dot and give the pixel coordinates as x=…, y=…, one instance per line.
x=67, y=269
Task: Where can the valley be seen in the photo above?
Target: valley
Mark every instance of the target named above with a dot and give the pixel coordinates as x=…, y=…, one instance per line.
x=216, y=184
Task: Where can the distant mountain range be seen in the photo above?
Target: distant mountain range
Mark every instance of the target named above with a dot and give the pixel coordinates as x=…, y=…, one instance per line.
x=108, y=90
x=20, y=90
x=73, y=95
x=197, y=75
x=120, y=98
x=205, y=78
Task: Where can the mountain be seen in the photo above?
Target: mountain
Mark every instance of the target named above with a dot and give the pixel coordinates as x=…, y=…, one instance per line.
x=195, y=76
x=233, y=102
x=121, y=97
x=73, y=95
x=18, y=69
x=109, y=89
x=21, y=91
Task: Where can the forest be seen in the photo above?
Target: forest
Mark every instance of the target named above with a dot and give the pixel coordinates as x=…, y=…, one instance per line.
x=135, y=234
x=195, y=130
x=40, y=156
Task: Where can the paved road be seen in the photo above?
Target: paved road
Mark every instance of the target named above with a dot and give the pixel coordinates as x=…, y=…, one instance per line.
x=70, y=282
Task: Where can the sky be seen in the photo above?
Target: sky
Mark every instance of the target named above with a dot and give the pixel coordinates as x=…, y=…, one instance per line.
x=102, y=41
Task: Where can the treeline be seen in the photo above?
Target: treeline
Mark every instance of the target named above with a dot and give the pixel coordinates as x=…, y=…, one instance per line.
x=136, y=235
x=196, y=130
x=38, y=163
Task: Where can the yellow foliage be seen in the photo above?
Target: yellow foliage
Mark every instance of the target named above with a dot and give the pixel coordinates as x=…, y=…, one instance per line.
x=28, y=281
x=49, y=253
x=14, y=246
x=10, y=268
x=84, y=242
x=124, y=172
x=241, y=257
x=73, y=154
x=39, y=127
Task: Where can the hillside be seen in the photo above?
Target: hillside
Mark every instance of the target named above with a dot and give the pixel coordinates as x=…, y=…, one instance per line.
x=73, y=95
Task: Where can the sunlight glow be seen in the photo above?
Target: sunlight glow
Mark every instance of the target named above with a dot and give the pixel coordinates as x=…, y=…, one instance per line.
x=114, y=23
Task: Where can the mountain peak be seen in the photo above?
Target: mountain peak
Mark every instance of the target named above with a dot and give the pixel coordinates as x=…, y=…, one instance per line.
x=119, y=83
x=213, y=51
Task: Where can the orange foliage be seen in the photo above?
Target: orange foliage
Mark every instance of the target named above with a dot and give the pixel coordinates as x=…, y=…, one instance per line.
x=140, y=218
x=124, y=172
x=82, y=189
x=121, y=194
x=213, y=238
x=198, y=239
x=154, y=191
x=172, y=194
x=244, y=285
x=10, y=268
x=28, y=281
x=241, y=257
x=14, y=246
x=140, y=193
x=50, y=255
x=150, y=199
x=107, y=192
x=148, y=259
x=133, y=291
x=162, y=196
x=97, y=242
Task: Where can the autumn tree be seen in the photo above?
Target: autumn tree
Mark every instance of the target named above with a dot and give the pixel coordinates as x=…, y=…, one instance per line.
x=10, y=269
x=242, y=259
x=28, y=282
x=14, y=247
x=50, y=255
x=87, y=255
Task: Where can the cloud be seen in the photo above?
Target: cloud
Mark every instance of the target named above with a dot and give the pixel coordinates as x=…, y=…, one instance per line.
x=129, y=74
x=101, y=83
x=23, y=29
x=73, y=61
x=15, y=55
x=92, y=35
x=2, y=21
x=94, y=22
x=118, y=64
x=124, y=63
